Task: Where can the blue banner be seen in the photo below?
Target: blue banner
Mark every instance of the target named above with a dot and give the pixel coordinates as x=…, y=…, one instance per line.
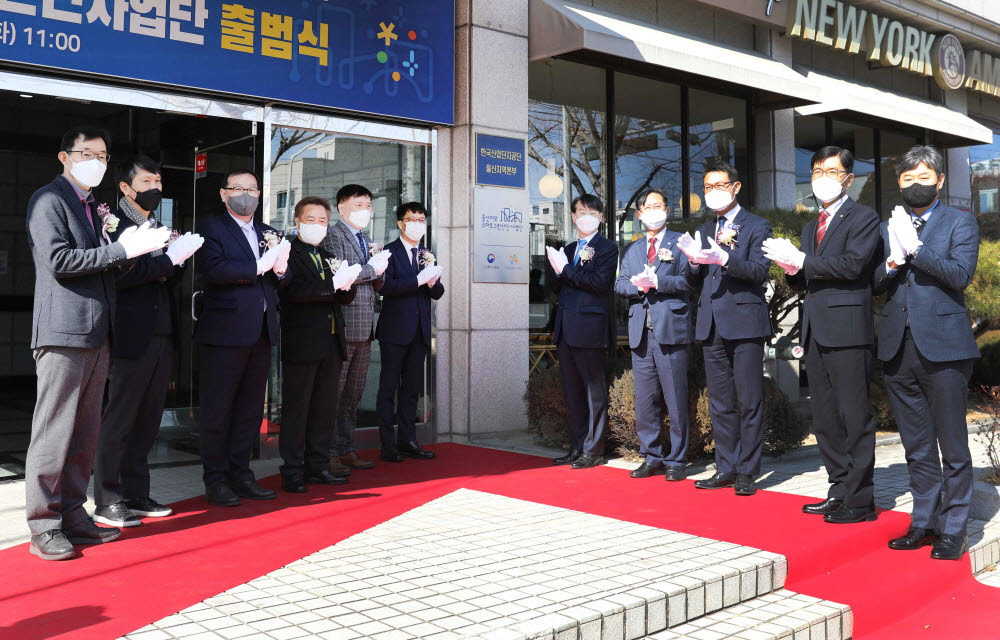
x=388, y=58
x=499, y=161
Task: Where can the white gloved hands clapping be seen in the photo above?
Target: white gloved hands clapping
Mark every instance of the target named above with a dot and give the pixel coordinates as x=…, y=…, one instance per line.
x=690, y=246
x=428, y=274
x=714, y=254
x=281, y=261
x=647, y=280
x=137, y=241
x=380, y=261
x=184, y=247
x=345, y=275
x=557, y=258
x=902, y=225
x=785, y=254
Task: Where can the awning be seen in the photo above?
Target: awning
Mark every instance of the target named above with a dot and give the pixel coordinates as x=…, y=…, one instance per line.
x=952, y=129
x=560, y=28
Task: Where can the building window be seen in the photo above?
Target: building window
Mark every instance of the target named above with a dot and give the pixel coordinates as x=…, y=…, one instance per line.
x=717, y=130
x=984, y=163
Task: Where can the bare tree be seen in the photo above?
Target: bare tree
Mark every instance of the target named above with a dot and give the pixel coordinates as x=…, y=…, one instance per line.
x=290, y=138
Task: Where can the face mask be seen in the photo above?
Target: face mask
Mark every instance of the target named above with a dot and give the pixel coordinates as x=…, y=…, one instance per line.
x=827, y=189
x=243, y=205
x=415, y=230
x=588, y=224
x=312, y=233
x=919, y=195
x=718, y=200
x=149, y=199
x=89, y=173
x=361, y=218
x=654, y=219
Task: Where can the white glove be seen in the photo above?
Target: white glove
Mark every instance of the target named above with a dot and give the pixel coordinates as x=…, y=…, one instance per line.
x=281, y=262
x=266, y=262
x=896, y=253
x=437, y=276
x=690, y=246
x=425, y=276
x=137, y=241
x=380, y=261
x=907, y=236
x=181, y=249
x=714, y=254
x=785, y=254
x=557, y=258
x=344, y=277
x=646, y=280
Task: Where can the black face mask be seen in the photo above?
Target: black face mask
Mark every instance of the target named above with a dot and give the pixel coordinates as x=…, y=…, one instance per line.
x=919, y=195
x=149, y=199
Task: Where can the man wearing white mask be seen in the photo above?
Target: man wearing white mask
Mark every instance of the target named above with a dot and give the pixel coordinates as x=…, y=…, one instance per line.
x=313, y=349
x=834, y=266
x=76, y=265
x=733, y=323
x=656, y=280
x=584, y=330
x=348, y=240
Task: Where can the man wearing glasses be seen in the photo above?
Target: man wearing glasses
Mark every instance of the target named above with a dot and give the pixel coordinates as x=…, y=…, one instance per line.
x=726, y=255
x=76, y=265
x=834, y=266
x=242, y=265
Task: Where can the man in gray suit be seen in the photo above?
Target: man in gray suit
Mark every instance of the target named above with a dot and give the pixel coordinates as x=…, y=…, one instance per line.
x=348, y=240
x=72, y=326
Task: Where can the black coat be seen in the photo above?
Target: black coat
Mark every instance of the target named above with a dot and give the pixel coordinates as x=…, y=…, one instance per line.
x=584, y=318
x=310, y=307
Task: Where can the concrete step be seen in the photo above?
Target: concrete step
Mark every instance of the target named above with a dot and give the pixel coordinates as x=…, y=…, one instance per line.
x=984, y=545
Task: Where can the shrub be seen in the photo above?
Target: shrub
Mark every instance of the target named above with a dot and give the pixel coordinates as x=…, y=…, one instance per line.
x=989, y=433
x=986, y=371
x=878, y=403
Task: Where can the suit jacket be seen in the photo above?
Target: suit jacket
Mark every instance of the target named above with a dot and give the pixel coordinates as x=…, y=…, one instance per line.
x=404, y=302
x=359, y=316
x=928, y=290
x=75, y=271
x=837, y=278
x=235, y=296
x=668, y=305
x=312, y=320
x=138, y=298
x=733, y=296
x=583, y=317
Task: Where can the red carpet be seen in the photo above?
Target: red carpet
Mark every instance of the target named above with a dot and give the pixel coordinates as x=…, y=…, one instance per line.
x=167, y=565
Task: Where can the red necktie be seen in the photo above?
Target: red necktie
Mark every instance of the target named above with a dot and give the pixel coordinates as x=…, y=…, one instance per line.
x=652, y=250
x=821, y=227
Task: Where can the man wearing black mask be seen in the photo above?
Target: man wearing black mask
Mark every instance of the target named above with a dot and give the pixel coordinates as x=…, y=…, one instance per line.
x=141, y=357
x=926, y=342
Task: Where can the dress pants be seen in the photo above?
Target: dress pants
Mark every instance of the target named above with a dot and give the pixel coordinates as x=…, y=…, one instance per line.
x=137, y=393
x=308, y=413
x=839, y=381
x=232, y=386
x=586, y=391
x=734, y=372
x=64, y=432
x=402, y=370
x=929, y=401
x=350, y=387
x=661, y=374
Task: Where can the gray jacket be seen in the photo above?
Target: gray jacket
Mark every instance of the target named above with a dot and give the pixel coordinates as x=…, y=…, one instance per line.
x=75, y=271
x=359, y=316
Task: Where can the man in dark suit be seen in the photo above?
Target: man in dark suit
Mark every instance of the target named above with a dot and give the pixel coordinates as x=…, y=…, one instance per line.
x=72, y=328
x=412, y=280
x=141, y=358
x=313, y=349
x=583, y=276
x=925, y=340
x=655, y=279
x=834, y=267
x=733, y=323
x=242, y=264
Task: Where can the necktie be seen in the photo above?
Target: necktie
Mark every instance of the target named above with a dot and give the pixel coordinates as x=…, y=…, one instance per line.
x=918, y=223
x=361, y=243
x=718, y=231
x=314, y=254
x=579, y=245
x=821, y=227
x=91, y=216
x=652, y=250
x=416, y=265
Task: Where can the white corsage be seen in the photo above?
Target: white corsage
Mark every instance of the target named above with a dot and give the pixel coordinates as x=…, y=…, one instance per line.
x=333, y=264
x=728, y=234
x=271, y=239
x=426, y=258
x=665, y=255
x=109, y=222
x=585, y=254
x=374, y=249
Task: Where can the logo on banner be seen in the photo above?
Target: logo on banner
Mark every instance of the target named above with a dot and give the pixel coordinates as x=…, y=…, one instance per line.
x=491, y=258
x=950, y=58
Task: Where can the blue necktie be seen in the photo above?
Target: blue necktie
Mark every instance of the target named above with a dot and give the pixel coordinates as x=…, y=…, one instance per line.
x=579, y=245
x=361, y=243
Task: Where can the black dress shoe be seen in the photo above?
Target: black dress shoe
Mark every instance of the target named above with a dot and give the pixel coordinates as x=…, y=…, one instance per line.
x=572, y=455
x=89, y=533
x=413, y=450
x=822, y=508
x=324, y=476
x=674, y=473
x=851, y=515
x=645, y=470
x=915, y=538
x=949, y=547
x=250, y=489
x=391, y=454
x=52, y=545
x=221, y=495
x=293, y=484
x=116, y=515
x=587, y=462
x=718, y=481
x=745, y=485
x=148, y=508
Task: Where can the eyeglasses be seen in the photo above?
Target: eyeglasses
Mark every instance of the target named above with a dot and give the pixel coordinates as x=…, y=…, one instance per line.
x=653, y=207
x=720, y=186
x=254, y=191
x=421, y=220
x=829, y=173
x=90, y=155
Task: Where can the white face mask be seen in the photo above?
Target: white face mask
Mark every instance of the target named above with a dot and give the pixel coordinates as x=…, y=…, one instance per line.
x=718, y=200
x=827, y=189
x=654, y=219
x=89, y=173
x=360, y=218
x=588, y=224
x=312, y=233
x=416, y=230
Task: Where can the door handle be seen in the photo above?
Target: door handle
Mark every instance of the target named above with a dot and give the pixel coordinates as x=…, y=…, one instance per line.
x=194, y=296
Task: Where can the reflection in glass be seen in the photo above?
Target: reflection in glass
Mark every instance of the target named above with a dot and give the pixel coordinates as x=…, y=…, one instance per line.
x=717, y=131
x=894, y=145
x=810, y=137
x=985, y=165
x=861, y=142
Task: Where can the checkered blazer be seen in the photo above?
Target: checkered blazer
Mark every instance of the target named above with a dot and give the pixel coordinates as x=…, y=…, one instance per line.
x=359, y=316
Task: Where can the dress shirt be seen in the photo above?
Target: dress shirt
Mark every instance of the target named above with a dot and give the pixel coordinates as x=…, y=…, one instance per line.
x=585, y=238
x=729, y=217
x=250, y=234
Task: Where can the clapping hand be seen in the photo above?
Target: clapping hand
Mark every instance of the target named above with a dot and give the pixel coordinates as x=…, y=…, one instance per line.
x=266, y=262
x=281, y=261
x=380, y=261
x=430, y=273
x=345, y=275
x=646, y=280
x=785, y=254
x=901, y=225
x=690, y=246
x=184, y=247
x=557, y=258
x=137, y=241
x=714, y=254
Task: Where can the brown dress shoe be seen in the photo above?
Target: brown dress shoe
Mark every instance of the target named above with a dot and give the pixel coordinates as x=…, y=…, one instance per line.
x=338, y=468
x=354, y=462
